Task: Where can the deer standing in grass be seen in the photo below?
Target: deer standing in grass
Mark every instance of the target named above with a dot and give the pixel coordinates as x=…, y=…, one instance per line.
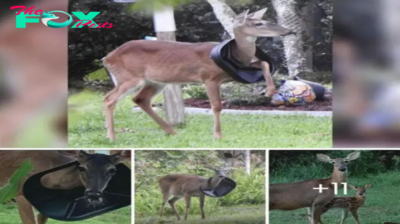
x=152, y=65
x=291, y=196
x=94, y=172
x=347, y=204
x=187, y=186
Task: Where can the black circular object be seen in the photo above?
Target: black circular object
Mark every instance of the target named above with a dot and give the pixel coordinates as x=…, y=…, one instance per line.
x=71, y=204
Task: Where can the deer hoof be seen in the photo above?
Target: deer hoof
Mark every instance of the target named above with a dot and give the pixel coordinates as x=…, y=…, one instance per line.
x=218, y=135
x=270, y=93
x=111, y=137
x=171, y=132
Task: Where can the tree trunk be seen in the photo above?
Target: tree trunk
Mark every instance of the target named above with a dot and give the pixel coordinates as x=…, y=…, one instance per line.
x=294, y=53
x=224, y=14
x=247, y=161
x=164, y=25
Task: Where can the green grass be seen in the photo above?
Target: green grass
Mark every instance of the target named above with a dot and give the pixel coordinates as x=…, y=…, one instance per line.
x=9, y=215
x=86, y=129
x=381, y=203
x=254, y=214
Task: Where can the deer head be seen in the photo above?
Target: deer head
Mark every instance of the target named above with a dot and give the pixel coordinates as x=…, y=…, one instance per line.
x=222, y=172
x=96, y=170
x=360, y=191
x=340, y=163
x=253, y=25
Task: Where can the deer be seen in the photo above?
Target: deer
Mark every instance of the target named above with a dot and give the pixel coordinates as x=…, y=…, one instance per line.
x=291, y=196
x=347, y=204
x=187, y=186
x=94, y=173
x=152, y=64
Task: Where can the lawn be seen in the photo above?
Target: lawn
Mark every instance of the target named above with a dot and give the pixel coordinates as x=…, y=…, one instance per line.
x=224, y=215
x=9, y=215
x=86, y=129
x=381, y=205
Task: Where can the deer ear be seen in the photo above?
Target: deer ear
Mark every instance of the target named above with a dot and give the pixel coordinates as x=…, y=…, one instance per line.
x=257, y=15
x=73, y=154
x=324, y=158
x=241, y=17
x=352, y=187
x=353, y=156
x=367, y=186
x=121, y=156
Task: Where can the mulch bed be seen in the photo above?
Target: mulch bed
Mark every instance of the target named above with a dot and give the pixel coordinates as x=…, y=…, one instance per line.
x=314, y=106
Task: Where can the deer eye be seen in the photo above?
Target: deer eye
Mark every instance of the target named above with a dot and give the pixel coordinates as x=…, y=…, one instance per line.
x=81, y=168
x=112, y=170
x=258, y=24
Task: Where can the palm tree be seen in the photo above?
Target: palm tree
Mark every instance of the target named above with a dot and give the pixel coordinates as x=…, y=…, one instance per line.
x=293, y=44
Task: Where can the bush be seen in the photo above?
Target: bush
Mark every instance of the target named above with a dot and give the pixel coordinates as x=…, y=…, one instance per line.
x=195, y=91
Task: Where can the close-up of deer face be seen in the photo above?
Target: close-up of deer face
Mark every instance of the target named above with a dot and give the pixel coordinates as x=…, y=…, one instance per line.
x=253, y=25
x=340, y=163
x=95, y=171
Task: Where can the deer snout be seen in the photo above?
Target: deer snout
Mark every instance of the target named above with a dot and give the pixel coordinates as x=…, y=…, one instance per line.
x=342, y=169
x=94, y=197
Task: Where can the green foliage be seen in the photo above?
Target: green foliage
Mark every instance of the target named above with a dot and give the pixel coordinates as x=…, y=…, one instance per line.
x=156, y=4
x=152, y=165
x=10, y=190
x=195, y=91
x=9, y=215
x=100, y=74
x=300, y=165
x=250, y=189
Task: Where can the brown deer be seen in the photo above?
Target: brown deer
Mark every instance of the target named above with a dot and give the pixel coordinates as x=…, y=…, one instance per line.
x=291, y=196
x=152, y=65
x=347, y=204
x=187, y=186
x=93, y=173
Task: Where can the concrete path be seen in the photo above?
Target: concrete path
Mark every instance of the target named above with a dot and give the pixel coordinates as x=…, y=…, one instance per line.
x=194, y=110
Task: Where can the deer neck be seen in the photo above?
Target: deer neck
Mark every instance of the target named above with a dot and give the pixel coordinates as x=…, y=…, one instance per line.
x=360, y=200
x=338, y=177
x=212, y=182
x=245, y=49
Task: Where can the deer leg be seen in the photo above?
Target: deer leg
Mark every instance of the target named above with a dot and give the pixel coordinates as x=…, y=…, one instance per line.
x=316, y=214
x=187, y=202
x=355, y=215
x=165, y=199
x=213, y=93
x=309, y=212
x=143, y=100
x=172, y=202
x=202, y=199
x=41, y=218
x=344, y=215
x=271, y=89
x=25, y=210
x=111, y=100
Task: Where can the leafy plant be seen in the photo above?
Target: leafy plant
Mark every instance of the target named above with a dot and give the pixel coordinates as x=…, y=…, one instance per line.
x=10, y=190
